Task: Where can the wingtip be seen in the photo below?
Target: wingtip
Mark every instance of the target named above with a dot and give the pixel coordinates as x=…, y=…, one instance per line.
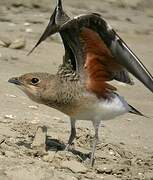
x=50, y=29
x=135, y=111
x=128, y=59
x=30, y=52
x=59, y=3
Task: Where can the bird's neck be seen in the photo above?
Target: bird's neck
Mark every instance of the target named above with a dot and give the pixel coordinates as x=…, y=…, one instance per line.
x=63, y=95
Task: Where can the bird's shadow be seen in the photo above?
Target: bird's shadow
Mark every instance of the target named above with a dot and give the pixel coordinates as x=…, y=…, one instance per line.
x=56, y=145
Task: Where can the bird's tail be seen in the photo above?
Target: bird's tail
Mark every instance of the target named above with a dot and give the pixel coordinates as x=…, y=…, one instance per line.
x=135, y=111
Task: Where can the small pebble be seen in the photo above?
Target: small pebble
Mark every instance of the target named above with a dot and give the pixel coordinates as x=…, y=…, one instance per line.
x=6, y=40
x=129, y=119
x=35, y=121
x=10, y=116
x=74, y=166
x=140, y=174
x=14, y=58
x=105, y=168
x=18, y=44
x=26, y=24
x=2, y=44
x=29, y=30
x=111, y=152
x=11, y=95
x=33, y=107
x=49, y=157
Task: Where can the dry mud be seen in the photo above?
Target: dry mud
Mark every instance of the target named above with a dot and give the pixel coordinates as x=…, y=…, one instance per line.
x=125, y=150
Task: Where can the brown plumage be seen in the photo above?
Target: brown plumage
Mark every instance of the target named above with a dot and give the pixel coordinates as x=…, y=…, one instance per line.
x=99, y=64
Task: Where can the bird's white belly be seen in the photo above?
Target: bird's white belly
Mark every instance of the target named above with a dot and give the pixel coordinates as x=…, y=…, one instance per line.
x=104, y=109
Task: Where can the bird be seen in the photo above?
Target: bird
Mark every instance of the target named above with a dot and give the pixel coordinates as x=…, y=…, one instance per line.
x=95, y=55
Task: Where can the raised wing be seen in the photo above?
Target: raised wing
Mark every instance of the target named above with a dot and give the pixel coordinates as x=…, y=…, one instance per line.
x=58, y=18
x=101, y=55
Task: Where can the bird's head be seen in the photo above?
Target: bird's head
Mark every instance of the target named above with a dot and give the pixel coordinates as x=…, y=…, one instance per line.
x=35, y=85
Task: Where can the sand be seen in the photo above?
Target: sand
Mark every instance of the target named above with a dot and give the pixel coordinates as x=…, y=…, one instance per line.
x=125, y=150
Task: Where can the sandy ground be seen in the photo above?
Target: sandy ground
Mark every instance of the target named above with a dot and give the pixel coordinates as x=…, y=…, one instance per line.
x=125, y=150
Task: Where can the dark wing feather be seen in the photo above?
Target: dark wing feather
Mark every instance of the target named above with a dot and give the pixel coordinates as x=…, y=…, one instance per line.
x=58, y=18
x=94, y=44
x=123, y=56
x=123, y=76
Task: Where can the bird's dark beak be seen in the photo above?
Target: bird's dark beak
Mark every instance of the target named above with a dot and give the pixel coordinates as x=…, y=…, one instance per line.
x=15, y=81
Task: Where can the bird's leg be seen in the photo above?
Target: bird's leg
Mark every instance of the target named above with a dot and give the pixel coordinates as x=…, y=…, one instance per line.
x=95, y=141
x=73, y=133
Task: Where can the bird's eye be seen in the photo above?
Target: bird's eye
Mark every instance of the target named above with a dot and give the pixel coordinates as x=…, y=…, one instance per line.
x=34, y=81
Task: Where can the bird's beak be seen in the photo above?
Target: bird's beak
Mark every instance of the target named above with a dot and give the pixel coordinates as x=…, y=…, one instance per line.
x=15, y=81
